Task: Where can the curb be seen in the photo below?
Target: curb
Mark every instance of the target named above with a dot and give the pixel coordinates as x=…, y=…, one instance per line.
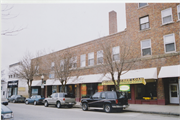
x=150, y=112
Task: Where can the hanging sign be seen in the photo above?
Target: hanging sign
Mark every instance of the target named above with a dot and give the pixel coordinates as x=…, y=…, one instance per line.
x=124, y=87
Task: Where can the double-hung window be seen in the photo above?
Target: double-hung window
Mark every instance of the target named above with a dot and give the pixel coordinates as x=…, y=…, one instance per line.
x=146, y=47
x=91, y=58
x=116, y=55
x=100, y=57
x=62, y=62
x=178, y=11
x=73, y=62
x=51, y=75
x=52, y=66
x=167, y=16
x=142, y=4
x=144, y=22
x=83, y=60
x=169, y=43
x=37, y=69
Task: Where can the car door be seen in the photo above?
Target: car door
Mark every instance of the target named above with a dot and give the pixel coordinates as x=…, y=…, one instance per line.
x=54, y=99
x=95, y=100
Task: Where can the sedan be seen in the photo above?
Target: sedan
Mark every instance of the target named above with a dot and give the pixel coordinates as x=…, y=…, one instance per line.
x=16, y=98
x=35, y=99
x=6, y=113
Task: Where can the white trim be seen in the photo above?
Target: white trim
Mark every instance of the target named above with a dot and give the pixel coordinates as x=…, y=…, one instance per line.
x=146, y=47
x=91, y=57
x=81, y=57
x=178, y=11
x=162, y=16
x=171, y=42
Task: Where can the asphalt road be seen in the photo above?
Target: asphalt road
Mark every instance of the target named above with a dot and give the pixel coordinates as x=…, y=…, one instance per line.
x=39, y=112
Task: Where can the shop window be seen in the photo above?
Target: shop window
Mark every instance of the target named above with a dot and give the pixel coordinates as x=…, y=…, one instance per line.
x=144, y=22
x=116, y=55
x=142, y=4
x=34, y=91
x=100, y=57
x=178, y=11
x=169, y=43
x=54, y=89
x=83, y=60
x=91, y=58
x=167, y=16
x=146, y=47
x=91, y=89
x=148, y=91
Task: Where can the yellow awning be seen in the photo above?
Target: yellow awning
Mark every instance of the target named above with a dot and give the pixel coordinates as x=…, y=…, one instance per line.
x=126, y=81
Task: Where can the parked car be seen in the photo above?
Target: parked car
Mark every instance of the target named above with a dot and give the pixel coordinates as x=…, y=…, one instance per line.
x=60, y=99
x=16, y=98
x=107, y=100
x=6, y=113
x=4, y=101
x=35, y=99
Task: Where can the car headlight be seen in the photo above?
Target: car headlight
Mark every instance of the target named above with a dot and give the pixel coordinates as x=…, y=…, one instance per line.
x=8, y=115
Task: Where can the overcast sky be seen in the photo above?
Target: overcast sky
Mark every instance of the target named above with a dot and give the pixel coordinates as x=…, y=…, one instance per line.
x=55, y=27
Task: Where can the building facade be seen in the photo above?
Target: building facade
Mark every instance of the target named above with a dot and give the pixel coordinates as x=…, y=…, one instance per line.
x=153, y=34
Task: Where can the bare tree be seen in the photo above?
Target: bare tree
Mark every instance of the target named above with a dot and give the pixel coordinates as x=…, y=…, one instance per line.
x=26, y=69
x=64, y=66
x=6, y=15
x=118, y=59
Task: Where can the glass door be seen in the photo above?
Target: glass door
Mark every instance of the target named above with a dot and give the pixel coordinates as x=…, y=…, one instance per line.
x=173, y=93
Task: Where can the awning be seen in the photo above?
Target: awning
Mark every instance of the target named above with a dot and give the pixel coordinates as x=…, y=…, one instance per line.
x=169, y=71
x=36, y=83
x=52, y=82
x=134, y=76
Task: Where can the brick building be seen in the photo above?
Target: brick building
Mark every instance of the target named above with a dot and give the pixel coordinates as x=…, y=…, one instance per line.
x=153, y=29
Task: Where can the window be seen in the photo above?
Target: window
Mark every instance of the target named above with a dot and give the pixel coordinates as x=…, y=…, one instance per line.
x=91, y=59
x=100, y=57
x=116, y=53
x=37, y=69
x=51, y=75
x=167, y=16
x=52, y=66
x=62, y=65
x=103, y=95
x=142, y=4
x=145, y=47
x=83, y=60
x=169, y=43
x=73, y=62
x=111, y=95
x=96, y=95
x=144, y=22
x=178, y=11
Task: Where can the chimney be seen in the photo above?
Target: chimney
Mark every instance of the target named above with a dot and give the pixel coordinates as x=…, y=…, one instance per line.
x=112, y=22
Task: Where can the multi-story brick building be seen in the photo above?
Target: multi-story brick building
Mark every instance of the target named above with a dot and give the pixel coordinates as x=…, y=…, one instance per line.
x=153, y=29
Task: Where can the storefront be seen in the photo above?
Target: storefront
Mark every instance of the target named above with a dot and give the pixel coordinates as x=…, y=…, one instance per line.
x=36, y=87
x=12, y=88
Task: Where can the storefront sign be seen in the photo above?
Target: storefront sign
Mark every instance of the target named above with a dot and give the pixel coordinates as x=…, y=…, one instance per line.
x=124, y=87
x=126, y=81
x=100, y=87
x=83, y=90
x=12, y=84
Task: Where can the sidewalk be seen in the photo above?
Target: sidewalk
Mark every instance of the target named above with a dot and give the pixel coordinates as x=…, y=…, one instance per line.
x=153, y=109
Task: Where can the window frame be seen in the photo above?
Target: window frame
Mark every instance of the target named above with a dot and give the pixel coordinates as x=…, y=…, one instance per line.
x=144, y=23
x=115, y=54
x=178, y=12
x=89, y=58
x=166, y=16
x=81, y=65
x=73, y=62
x=100, y=53
x=142, y=6
x=169, y=43
x=146, y=47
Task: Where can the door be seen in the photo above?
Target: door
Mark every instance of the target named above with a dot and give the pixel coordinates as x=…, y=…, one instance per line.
x=173, y=93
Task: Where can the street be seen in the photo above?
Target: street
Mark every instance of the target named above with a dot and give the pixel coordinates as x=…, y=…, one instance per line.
x=39, y=112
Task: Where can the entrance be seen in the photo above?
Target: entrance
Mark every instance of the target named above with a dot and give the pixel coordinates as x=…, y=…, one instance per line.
x=173, y=93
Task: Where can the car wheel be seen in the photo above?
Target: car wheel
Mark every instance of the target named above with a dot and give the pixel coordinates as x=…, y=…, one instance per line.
x=107, y=108
x=35, y=103
x=27, y=102
x=84, y=106
x=14, y=101
x=46, y=104
x=58, y=104
x=70, y=106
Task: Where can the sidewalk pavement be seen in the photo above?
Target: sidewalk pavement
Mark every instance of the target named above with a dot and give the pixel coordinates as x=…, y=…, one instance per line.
x=153, y=109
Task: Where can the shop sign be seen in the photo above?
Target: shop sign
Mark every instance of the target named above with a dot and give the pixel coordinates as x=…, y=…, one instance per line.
x=83, y=90
x=12, y=84
x=124, y=87
x=100, y=87
x=126, y=81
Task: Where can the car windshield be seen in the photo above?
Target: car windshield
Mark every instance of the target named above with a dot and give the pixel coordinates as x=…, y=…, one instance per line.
x=38, y=96
x=12, y=96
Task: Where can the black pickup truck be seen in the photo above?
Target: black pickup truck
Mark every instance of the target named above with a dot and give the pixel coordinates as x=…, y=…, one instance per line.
x=107, y=100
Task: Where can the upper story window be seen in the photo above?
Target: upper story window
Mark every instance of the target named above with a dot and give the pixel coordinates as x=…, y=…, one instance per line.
x=100, y=57
x=91, y=58
x=169, y=43
x=145, y=47
x=62, y=65
x=178, y=11
x=116, y=55
x=144, y=22
x=142, y=4
x=37, y=69
x=52, y=66
x=167, y=16
x=83, y=60
x=51, y=75
x=73, y=62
